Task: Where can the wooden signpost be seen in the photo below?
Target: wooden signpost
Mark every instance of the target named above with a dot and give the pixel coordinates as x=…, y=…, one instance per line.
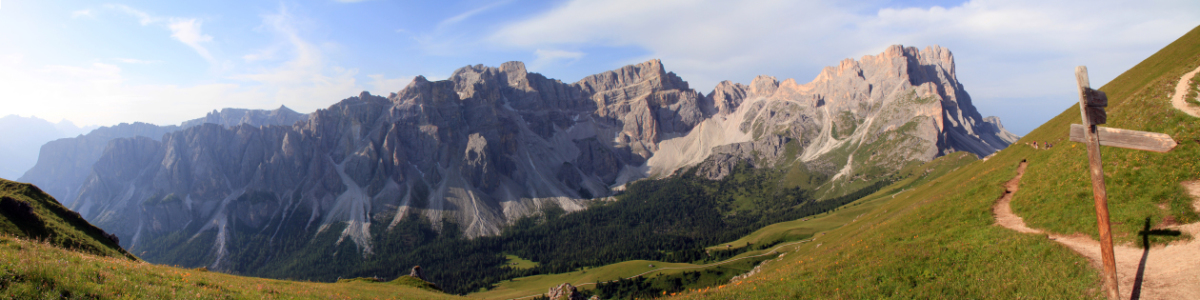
x=1091, y=106
x=1124, y=138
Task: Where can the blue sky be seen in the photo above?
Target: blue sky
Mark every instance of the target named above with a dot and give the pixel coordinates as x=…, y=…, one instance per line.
x=102, y=63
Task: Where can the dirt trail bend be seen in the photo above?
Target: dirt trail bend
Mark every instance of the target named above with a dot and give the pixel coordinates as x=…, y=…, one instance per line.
x=1166, y=272
x=1181, y=90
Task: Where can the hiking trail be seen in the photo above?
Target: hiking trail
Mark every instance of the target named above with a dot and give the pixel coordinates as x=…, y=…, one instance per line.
x=1181, y=90
x=1164, y=271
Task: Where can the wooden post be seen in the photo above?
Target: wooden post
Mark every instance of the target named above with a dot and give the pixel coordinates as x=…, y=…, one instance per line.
x=1092, y=109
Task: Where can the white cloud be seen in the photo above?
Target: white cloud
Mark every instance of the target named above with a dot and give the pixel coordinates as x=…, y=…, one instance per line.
x=99, y=94
x=1004, y=48
x=306, y=80
x=306, y=61
x=1032, y=44
x=184, y=30
x=143, y=17
x=268, y=53
x=82, y=13
x=470, y=13
x=380, y=85
x=292, y=71
x=136, y=61
x=547, y=57
x=701, y=40
x=188, y=32
x=97, y=75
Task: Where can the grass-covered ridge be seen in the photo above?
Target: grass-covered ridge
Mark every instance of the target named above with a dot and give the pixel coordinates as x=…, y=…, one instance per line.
x=28, y=212
x=31, y=269
x=939, y=239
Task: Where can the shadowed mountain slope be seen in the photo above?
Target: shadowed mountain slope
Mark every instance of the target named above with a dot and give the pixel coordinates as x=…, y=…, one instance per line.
x=64, y=164
x=27, y=212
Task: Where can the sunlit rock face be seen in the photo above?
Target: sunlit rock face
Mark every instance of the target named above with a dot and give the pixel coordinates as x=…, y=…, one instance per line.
x=492, y=144
x=876, y=112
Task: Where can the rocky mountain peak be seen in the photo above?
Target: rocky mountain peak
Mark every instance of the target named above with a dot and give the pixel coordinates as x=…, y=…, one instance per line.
x=829, y=73
x=651, y=71
x=230, y=117
x=514, y=68
x=851, y=106
x=937, y=55
x=763, y=86
x=727, y=96
x=518, y=76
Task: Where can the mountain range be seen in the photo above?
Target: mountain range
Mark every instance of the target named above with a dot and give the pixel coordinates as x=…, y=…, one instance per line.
x=63, y=164
x=490, y=145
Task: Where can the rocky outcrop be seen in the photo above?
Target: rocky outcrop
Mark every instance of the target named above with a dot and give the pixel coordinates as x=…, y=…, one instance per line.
x=416, y=273
x=17, y=210
x=761, y=153
x=727, y=96
x=564, y=291
x=490, y=145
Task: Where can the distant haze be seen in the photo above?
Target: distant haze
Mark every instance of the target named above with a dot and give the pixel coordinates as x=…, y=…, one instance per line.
x=22, y=137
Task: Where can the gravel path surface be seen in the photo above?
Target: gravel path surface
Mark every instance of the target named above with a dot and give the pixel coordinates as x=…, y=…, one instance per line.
x=1161, y=272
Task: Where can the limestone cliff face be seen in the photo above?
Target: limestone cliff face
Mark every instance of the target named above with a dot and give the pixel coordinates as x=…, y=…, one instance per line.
x=492, y=144
x=877, y=112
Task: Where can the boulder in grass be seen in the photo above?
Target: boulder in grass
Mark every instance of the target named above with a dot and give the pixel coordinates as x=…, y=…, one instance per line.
x=564, y=291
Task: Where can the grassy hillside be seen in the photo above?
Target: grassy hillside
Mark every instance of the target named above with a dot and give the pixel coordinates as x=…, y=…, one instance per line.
x=764, y=240
x=34, y=270
x=1141, y=184
x=26, y=211
x=807, y=227
x=938, y=240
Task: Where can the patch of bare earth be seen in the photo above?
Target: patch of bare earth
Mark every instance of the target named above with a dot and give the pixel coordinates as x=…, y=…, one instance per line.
x=1161, y=272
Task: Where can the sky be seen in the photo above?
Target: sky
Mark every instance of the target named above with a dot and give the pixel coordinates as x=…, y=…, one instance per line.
x=163, y=62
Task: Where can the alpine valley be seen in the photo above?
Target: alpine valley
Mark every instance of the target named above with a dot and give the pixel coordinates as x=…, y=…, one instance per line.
x=453, y=174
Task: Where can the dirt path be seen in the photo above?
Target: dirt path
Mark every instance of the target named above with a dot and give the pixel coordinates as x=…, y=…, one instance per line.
x=1181, y=90
x=1164, y=272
